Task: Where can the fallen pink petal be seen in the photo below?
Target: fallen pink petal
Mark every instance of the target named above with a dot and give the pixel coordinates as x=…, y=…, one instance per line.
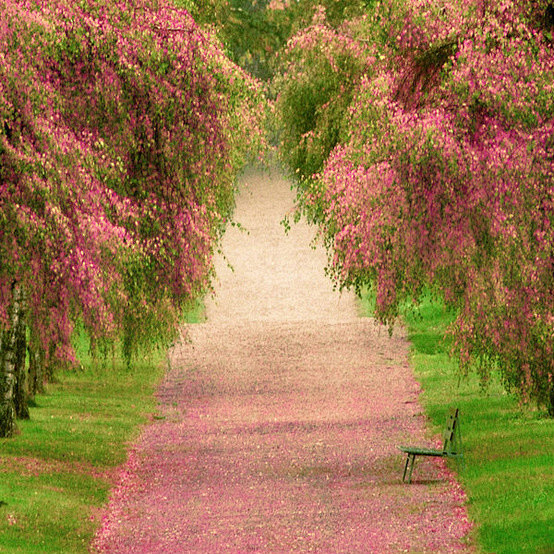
x=281, y=418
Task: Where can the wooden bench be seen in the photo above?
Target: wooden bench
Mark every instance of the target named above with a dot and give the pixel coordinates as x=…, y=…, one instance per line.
x=451, y=447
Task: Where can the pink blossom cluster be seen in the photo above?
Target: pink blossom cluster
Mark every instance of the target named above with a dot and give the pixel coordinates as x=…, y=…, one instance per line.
x=122, y=129
x=443, y=177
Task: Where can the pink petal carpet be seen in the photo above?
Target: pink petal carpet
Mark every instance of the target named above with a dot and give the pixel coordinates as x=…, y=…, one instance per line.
x=282, y=414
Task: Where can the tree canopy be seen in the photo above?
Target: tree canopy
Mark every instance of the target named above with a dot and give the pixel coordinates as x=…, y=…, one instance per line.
x=122, y=129
x=425, y=153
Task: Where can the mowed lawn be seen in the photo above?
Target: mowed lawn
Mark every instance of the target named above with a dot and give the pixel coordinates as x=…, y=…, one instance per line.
x=56, y=475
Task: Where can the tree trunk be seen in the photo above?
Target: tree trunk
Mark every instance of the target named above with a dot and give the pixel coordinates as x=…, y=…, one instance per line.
x=550, y=406
x=48, y=365
x=21, y=396
x=35, y=384
x=8, y=368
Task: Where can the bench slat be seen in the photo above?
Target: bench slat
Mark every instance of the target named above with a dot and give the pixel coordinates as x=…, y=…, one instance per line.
x=422, y=451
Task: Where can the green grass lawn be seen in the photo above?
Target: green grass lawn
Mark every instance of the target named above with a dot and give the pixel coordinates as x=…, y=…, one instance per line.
x=57, y=473
x=55, y=476
x=509, y=449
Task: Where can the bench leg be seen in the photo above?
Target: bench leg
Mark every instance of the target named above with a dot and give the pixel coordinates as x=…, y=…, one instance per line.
x=460, y=462
x=409, y=462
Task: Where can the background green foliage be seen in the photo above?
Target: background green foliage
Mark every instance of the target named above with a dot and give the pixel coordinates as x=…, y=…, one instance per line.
x=255, y=31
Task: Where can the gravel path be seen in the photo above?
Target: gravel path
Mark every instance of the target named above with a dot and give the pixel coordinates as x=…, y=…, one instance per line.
x=282, y=416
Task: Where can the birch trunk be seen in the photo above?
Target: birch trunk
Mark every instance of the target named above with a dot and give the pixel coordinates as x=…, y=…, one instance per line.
x=8, y=369
x=35, y=384
x=21, y=395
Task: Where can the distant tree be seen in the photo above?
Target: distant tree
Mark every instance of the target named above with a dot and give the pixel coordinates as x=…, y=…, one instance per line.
x=255, y=31
x=320, y=71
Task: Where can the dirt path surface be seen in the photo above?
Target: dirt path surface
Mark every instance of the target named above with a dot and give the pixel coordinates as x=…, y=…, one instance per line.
x=282, y=417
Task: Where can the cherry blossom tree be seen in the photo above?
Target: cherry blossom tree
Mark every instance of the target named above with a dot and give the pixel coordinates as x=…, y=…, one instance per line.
x=442, y=177
x=122, y=129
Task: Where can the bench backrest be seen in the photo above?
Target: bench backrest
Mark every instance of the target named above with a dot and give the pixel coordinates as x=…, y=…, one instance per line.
x=452, y=438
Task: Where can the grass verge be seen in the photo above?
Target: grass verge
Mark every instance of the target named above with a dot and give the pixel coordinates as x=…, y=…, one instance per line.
x=57, y=473
x=509, y=448
x=55, y=476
